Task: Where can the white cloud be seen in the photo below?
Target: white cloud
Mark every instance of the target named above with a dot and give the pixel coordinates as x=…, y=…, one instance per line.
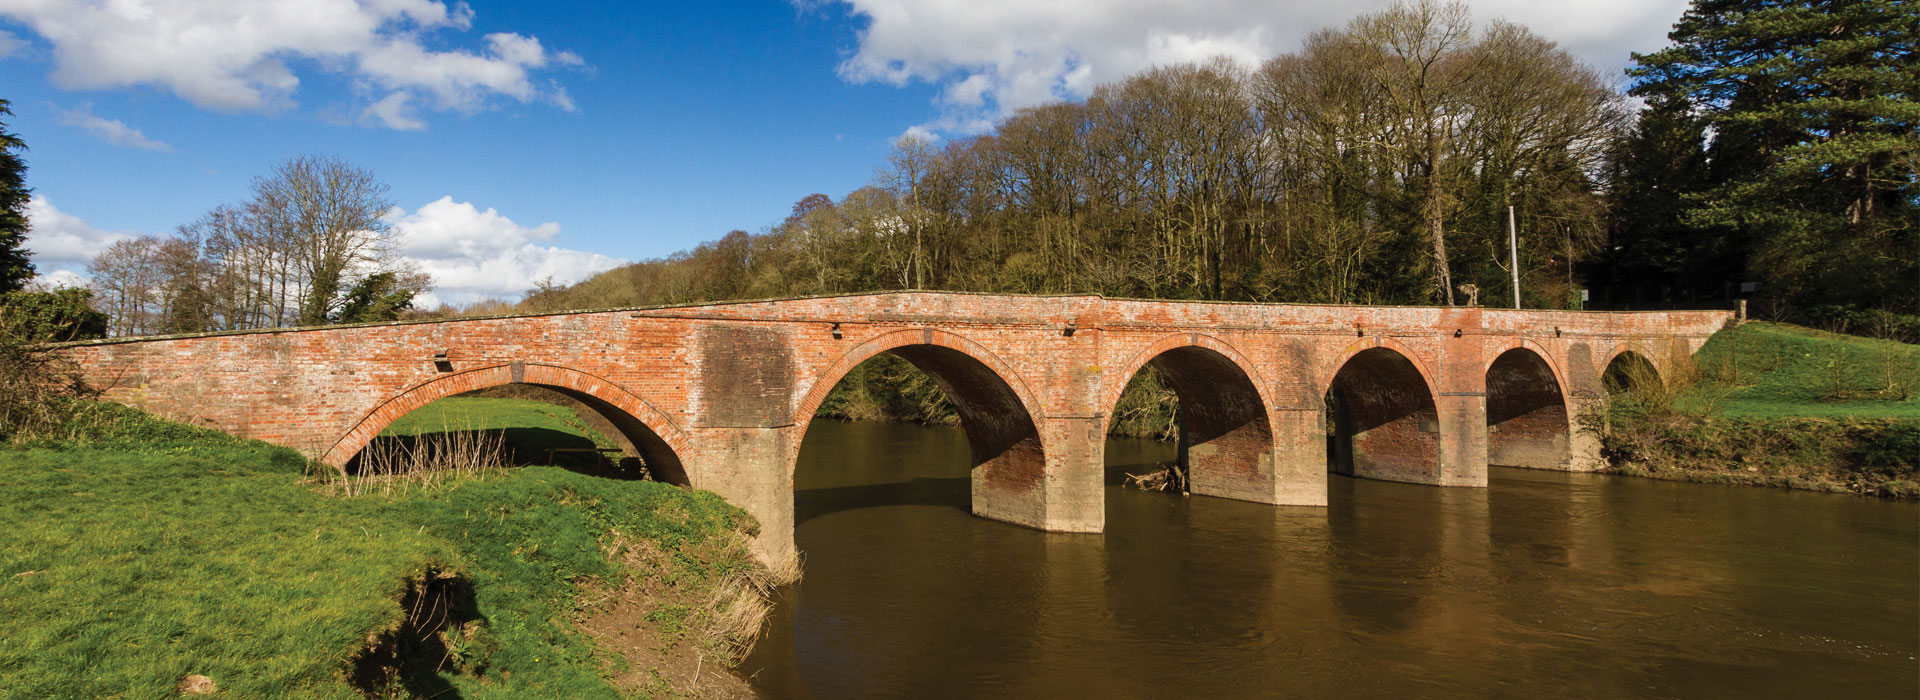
x=112, y=131
x=59, y=279
x=9, y=44
x=61, y=244
x=917, y=133
x=240, y=54
x=474, y=255
x=471, y=254
x=990, y=57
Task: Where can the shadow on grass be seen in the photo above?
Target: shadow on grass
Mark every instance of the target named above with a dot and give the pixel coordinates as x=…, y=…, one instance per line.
x=416, y=657
x=528, y=447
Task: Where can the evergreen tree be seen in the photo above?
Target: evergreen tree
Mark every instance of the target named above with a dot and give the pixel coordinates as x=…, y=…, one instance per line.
x=381, y=296
x=1652, y=254
x=15, y=269
x=1811, y=110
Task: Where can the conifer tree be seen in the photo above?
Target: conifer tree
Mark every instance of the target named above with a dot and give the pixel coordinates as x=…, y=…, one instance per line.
x=15, y=269
x=1813, y=111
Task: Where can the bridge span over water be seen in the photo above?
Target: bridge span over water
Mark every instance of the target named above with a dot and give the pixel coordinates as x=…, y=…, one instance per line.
x=718, y=396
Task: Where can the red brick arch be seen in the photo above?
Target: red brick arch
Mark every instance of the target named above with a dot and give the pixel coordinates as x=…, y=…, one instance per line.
x=580, y=385
x=1116, y=383
x=1553, y=363
x=1332, y=369
x=1528, y=423
x=1387, y=419
x=1226, y=425
x=1637, y=348
x=823, y=383
x=1000, y=415
x=1661, y=365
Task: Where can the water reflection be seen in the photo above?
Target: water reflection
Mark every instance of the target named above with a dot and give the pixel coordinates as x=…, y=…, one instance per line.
x=1545, y=584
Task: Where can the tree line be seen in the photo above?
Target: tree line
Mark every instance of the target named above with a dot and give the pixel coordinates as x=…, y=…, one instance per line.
x=1377, y=165
x=1773, y=144
x=1778, y=147
x=310, y=246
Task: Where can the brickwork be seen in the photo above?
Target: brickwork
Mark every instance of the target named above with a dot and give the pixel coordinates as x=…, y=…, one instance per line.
x=724, y=392
x=1527, y=420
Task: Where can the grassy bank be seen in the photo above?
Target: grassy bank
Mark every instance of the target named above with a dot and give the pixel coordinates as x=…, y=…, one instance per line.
x=1778, y=405
x=142, y=555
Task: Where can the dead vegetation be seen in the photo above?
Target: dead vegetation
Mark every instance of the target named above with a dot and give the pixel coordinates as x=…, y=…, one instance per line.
x=680, y=635
x=1169, y=478
x=397, y=463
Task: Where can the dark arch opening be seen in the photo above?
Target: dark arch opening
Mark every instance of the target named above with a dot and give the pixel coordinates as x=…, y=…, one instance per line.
x=1382, y=422
x=1526, y=413
x=1005, y=463
x=537, y=424
x=1225, y=440
x=1630, y=372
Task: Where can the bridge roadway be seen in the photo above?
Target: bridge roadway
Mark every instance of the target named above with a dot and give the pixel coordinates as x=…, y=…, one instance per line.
x=718, y=396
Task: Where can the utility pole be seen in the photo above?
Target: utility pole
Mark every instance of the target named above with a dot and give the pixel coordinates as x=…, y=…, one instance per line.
x=1513, y=255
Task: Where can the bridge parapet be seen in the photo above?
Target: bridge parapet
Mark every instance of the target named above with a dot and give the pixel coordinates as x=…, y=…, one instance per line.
x=727, y=390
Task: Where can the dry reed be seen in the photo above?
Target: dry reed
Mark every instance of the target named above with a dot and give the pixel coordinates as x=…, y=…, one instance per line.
x=397, y=464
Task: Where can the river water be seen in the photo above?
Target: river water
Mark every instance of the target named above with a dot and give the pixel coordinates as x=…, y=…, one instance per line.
x=1544, y=584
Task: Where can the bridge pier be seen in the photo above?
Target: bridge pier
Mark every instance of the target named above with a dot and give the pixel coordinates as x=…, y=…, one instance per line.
x=1072, y=493
x=1463, y=439
x=1299, y=457
x=752, y=468
x=1586, y=415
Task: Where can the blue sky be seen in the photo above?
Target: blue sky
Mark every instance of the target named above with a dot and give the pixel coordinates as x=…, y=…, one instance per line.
x=523, y=140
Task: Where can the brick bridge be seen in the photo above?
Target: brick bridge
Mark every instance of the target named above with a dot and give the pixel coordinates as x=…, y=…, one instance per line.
x=718, y=396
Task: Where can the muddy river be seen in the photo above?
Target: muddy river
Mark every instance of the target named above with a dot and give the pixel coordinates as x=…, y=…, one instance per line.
x=1545, y=584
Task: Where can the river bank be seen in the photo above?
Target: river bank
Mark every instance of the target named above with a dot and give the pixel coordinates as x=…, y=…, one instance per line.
x=145, y=558
x=1776, y=405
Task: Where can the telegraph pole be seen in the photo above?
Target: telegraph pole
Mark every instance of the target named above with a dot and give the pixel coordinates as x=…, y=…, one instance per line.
x=1513, y=255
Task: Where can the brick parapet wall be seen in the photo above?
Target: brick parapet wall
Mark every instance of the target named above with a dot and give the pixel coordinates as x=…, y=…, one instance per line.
x=702, y=377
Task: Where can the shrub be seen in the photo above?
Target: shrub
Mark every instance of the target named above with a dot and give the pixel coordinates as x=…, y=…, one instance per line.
x=39, y=389
x=58, y=316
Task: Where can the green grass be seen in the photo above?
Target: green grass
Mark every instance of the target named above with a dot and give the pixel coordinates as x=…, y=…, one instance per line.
x=477, y=413
x=1774, y=370
x=1779, y=405
x=149, y=550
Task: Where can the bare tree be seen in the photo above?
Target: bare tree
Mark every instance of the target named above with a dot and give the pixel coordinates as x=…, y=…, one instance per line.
x=1418, y=59
x=125, y=281
x=331, y=216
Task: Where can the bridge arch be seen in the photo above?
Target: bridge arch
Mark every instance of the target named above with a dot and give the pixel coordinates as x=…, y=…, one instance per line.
x=999, y=413
x=652, y=432
x=1226, y=432
x=1528, y=421
x=1631, y=365
x=1382, y=405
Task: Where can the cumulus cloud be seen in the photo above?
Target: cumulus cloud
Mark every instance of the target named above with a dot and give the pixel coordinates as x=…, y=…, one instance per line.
x=236, y=54
x=9, y=44
x=475, y=255
x=112, y=131
x=59, y=279
x=61, y=244
x=917, y=133
x=990, y=57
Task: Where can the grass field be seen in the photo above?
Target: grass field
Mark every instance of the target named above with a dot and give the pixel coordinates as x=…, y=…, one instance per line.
x=149, y=551
x=1780, y=405
x=1781, y=371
